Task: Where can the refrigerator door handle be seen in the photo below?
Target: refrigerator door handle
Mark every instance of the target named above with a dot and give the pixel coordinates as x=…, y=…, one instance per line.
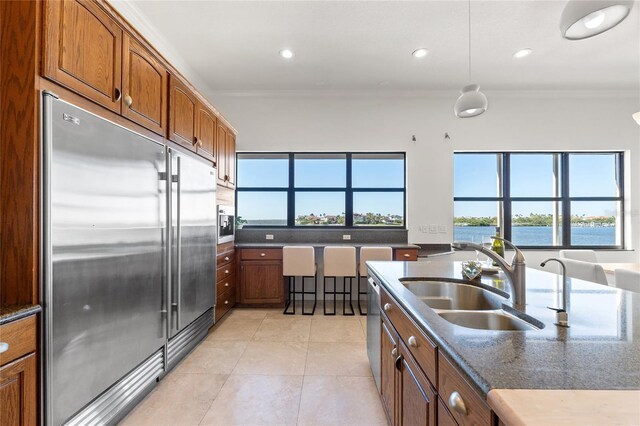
x=179, y=244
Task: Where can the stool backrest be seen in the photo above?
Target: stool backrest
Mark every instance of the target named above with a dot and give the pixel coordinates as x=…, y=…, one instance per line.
x=627, y=280
x=586, y=271
x=582, y=255
x=339, y=261
x=373, y=253
x=298, y=261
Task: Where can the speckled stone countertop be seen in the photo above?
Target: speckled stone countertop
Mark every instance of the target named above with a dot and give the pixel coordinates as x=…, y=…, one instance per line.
x=12, y=313
x=601, y=349
x=346, y=244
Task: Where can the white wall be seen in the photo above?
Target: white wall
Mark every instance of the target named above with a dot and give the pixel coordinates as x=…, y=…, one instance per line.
x=365, y=122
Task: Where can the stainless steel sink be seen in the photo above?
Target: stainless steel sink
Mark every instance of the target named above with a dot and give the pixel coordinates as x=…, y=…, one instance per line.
x=487, y=320
x=454, y=296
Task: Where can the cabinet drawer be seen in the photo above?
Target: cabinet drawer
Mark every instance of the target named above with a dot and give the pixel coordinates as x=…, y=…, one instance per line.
x=20, y=335
x=226, y=284
x=444, y=416
x=453, y=386
x=422, y=349
x=225, y=271
x=261, y=254
x=406, y=254
x=225, y=302
x=224, y=258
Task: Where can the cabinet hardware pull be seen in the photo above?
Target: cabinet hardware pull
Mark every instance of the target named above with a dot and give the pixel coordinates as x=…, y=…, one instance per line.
x=226, y=284
x=118, y=94
x=195, y=141
x=394, y=352
x=407, y=255
x=413, y=342
x=456, y=403
x=399, y=363
x=387, y=307
x=128, y=101
x=4, y=347
x=263, y=254
x=226, y=302
x=226, y=258
x=226, y=271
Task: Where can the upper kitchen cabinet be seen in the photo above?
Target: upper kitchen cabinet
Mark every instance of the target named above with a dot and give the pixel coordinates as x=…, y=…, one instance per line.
x=144, y=87
x=226, y=155
x=83, y=50
x=206, y=133
x=183, y=113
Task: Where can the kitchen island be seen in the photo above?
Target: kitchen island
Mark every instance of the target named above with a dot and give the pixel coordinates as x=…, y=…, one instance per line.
x=599, y=351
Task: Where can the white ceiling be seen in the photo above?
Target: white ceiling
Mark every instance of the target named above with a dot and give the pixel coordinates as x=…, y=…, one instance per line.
x=366, y=45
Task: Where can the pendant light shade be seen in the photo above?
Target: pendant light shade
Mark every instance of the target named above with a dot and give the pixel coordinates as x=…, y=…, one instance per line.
x=636, y=117
x=586, y=18
x=471, y=103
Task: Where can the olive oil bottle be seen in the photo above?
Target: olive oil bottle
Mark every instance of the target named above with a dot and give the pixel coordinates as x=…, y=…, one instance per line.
x=497, y=246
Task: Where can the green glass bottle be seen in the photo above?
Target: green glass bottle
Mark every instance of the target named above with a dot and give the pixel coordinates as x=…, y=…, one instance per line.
x=497, y=246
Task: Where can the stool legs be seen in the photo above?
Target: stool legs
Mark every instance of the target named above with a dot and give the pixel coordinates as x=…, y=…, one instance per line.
x=291, y=296
x=360, y=293
x=335, y=293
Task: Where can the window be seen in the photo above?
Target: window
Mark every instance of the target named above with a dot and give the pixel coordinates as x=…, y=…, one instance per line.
x=540, y=200
x=321, y=189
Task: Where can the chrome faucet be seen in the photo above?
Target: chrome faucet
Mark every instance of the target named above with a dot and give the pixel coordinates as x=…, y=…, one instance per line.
x=515, y=272
x=562, y=316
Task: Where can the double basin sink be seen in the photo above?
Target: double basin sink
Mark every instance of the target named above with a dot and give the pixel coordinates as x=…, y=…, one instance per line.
x=467, y=305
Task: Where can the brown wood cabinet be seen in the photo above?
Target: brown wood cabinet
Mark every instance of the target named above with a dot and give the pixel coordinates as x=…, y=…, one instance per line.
x=206, y=133
x=18, y=373
x=416, y=398
x=409, y=254
x=226, y=156
x=226, y=284
x=388, y=355
x=144, y=87
x=183, y=106
x=83, y=50
x=261, y=281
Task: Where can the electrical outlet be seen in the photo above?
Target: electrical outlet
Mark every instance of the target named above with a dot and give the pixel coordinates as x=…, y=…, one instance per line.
x=346, y=237
x=424, y=228
x=433, y=229
x=442, y=229
x=269, y=236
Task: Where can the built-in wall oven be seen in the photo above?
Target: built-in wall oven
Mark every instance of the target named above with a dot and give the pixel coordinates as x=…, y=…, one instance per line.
x=226, y=224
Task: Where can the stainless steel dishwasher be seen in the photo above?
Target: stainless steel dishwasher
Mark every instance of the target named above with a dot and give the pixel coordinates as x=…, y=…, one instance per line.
x=373, y=327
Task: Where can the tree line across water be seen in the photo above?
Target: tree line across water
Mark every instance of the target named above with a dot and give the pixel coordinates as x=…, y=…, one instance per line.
x=535, y=219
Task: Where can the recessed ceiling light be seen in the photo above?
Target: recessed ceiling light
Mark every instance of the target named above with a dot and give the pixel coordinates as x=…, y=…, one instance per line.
x=420, y=53
x=522, y=53
x=383, y=83
x=286, y=53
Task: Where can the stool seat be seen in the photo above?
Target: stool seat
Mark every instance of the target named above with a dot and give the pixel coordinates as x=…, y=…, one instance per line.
x=298, y=261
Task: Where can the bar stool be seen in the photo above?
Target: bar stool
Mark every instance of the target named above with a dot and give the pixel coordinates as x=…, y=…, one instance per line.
x=339, y=262
x=299, y=261
x=370, y=253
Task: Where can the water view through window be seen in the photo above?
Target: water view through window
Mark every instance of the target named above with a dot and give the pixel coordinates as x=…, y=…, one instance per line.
x=321, y=189
x=523, y=193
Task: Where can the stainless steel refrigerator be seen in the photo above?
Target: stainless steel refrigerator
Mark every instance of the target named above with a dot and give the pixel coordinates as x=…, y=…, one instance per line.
x=128, y=263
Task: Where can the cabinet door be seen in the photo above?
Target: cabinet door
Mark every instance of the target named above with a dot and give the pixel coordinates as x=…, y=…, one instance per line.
x=18, y=395
x=182, y=114
x=206, y=135
x=144, y=87
x=83, y=50
x=416, y=399
x=261, y=282
x=221, y=153
x=231, y=160
x=388, y=355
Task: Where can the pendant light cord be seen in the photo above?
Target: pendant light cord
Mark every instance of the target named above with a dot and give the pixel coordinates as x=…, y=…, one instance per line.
x=469, y=41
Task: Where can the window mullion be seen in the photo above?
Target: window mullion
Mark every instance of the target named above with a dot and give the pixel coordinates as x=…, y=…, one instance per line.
x=291, y=194
x=566, y=202
x=505, y=179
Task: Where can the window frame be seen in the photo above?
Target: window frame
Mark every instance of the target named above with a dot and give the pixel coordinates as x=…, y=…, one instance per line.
x=348, y=190
x=506, y=200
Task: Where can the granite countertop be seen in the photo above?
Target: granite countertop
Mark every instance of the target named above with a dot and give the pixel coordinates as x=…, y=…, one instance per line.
x=343, y=243
x=12, y=313
x=601, y=349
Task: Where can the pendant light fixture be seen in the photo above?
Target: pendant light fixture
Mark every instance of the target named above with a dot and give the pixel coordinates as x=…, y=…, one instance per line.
x=472, y=102
x=587, y=18
x=636, y=117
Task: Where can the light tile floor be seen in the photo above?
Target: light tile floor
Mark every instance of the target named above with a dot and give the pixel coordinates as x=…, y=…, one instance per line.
x=259, y=367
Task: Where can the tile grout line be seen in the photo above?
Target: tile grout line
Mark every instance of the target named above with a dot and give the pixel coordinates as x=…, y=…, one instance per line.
x=304, y=374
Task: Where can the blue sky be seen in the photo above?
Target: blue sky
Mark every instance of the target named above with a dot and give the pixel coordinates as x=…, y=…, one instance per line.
x=532, y=176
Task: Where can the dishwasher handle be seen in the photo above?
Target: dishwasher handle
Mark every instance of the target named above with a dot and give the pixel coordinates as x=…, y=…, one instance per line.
x=374, y=285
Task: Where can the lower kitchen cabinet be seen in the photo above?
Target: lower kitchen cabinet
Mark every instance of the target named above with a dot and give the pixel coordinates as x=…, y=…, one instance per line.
x=226, y=284
x=388, y=355
x=416, y=398
x=261, y=281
